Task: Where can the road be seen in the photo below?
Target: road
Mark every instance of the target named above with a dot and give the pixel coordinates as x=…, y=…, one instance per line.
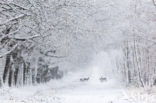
x=74, y=92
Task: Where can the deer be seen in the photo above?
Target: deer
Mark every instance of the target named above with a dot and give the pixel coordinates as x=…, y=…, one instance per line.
x=103, y=79
x=84, y=79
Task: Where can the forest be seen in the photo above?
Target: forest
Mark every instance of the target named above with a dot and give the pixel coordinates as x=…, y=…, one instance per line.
x=69, y=44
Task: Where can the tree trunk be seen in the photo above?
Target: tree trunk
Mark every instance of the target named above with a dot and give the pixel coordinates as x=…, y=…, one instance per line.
x=7, y=68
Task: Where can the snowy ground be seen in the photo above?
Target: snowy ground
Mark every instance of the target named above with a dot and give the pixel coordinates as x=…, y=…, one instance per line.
x=71, y=90
x=65, y=92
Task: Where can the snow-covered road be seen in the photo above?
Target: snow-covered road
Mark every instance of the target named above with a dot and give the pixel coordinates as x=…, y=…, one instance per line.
x=76, y=92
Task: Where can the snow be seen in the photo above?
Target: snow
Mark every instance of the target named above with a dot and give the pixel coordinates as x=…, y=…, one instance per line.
x=76, y=92
x=71, y=90
x=78, y=33
x=68, y=91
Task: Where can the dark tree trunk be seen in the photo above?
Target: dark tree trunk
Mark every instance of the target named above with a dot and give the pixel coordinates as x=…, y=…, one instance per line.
x=24, y=73
x=10, y=82
x=16, y=75
x=15, y=56
x=7, y=67
x=16, y=71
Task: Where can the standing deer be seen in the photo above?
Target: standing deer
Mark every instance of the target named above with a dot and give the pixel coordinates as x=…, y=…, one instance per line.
x=103, y=79
x=84, y=79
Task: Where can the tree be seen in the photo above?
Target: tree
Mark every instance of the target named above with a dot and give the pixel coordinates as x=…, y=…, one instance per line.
x=33, y=29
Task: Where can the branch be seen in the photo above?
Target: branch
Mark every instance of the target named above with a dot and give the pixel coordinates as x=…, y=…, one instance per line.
x=20, y=7
x=54, y=56
x=50, y=51
x=12, y=19
x=13, y=4
x=51, y=55
x=8, y=52
x=24, y=39
x=5, y=35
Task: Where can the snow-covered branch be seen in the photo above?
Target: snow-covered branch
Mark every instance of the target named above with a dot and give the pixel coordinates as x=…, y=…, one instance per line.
x=25, y=38
x=18, y=6
x=12, y=19
x=8, y=52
